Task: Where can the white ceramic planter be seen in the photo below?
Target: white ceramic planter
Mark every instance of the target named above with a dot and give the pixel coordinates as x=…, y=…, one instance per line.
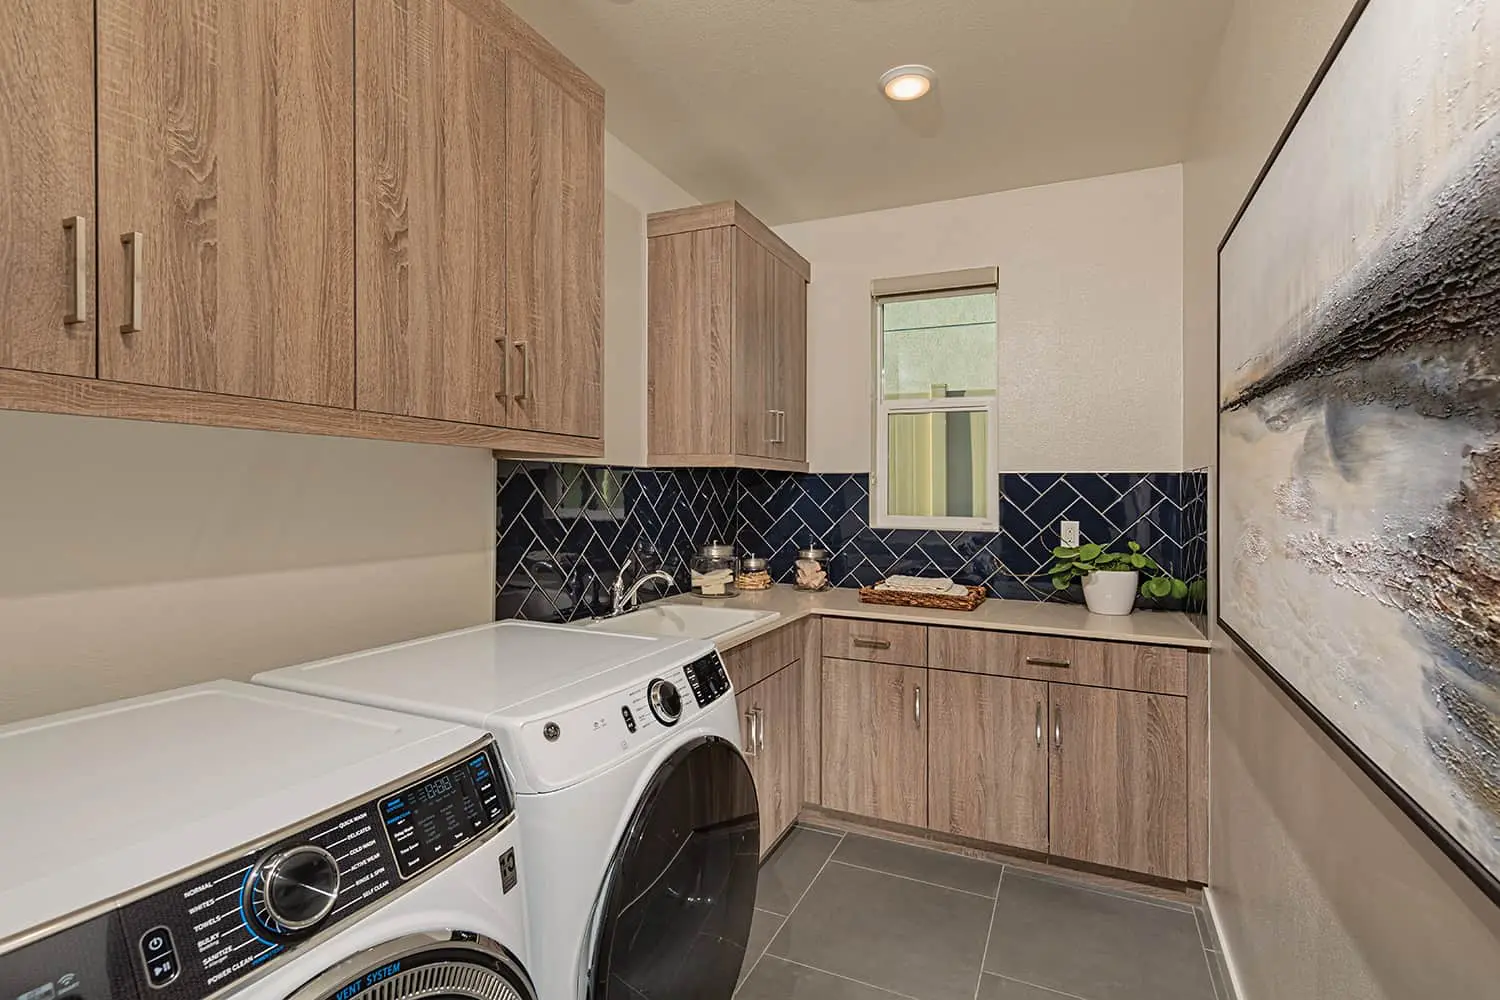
x=1111, y=593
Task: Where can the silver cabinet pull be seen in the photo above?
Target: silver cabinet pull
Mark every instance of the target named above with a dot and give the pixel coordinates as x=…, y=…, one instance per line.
x=134, y=281
x=750, y=739
x=1038, y=723
x=525, y=351
x=780, y=423
x=771, y=434
x=917, y=703
x=872, y=643
x=760, y=731
x=1057, y=726
x=504, y=344
x=78, y=270
x=1042, y=661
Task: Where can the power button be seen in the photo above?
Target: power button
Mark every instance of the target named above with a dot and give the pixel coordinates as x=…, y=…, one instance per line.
x=160, y=956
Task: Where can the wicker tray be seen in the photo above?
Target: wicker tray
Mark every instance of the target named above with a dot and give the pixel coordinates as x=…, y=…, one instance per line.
x=907, y=599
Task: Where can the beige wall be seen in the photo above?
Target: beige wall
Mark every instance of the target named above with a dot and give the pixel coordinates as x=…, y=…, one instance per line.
x=1090, y=296
x=1320, y=886
x=633, y=190
x=136, y=557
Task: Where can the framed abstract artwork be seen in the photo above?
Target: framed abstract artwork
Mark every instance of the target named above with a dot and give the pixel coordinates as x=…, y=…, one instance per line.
x=1359, y=414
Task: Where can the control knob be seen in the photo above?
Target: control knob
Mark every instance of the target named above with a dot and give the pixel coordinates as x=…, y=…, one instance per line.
x=666, y=703
x=294, y=889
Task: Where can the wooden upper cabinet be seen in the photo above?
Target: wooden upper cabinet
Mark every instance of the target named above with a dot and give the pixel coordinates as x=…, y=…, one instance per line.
x=47, y=132
x=554, y=248
x=430, y=89
x=1118, y=778
x=225, y=142
x=727, y=353
x=756, y=424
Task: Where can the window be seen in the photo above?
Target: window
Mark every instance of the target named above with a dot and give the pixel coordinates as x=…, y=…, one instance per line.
x=936, y=461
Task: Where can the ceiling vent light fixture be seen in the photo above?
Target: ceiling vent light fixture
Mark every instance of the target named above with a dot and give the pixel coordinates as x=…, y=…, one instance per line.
x=907, y=83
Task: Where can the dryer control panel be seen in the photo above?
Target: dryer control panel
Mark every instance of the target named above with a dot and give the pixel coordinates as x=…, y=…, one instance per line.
x=211, y=929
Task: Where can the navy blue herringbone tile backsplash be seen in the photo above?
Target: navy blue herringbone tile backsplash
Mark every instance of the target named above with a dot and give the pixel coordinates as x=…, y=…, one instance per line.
x=564, y=530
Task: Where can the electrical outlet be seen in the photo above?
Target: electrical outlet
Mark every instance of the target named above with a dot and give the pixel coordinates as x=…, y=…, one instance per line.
x=1070, y=534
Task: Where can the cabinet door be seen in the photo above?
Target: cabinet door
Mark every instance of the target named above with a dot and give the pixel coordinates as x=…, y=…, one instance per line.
x=772, y=714
x=47, y=132
x=791, y=364
x=690, y=389
x=987, y=761
x=754, y=348
x=1119, y=779
x=875, y=740
x=430, y=101
x=225, y=142
x=554, y=251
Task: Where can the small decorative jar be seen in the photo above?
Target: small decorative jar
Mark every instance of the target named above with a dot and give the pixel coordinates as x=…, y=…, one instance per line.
x=755, y=574
x=812, y=569
x=713, y=571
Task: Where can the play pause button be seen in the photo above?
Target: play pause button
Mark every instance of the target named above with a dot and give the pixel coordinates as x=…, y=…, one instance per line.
x=160, y=956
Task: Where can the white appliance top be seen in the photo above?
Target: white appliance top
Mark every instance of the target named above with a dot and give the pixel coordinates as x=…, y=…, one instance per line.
x=104, y=800
x=511, y=677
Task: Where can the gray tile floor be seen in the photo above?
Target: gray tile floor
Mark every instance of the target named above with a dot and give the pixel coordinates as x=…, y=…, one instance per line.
x=851, y=917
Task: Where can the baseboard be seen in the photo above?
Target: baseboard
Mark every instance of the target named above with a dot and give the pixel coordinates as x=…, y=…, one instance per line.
x=1235, y=983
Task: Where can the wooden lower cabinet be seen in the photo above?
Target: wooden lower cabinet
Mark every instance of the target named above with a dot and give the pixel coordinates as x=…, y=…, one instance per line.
x=987, y=759
x=1118, y=779
x=875, y=740
x=771, y=735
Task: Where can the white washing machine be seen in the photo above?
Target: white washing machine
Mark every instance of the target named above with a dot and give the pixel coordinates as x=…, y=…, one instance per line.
x=636, y=808
x=228, y=840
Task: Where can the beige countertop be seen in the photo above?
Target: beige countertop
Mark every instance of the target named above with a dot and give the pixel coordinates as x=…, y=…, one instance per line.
x=1154, y=628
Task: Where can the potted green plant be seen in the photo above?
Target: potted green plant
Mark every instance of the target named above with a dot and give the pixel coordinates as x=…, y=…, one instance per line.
x=1111, y=579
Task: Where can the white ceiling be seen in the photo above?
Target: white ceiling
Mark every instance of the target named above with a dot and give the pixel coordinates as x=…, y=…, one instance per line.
x=776, y=103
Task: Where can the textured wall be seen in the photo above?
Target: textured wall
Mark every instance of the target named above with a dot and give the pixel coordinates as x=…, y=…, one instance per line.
x=136, y=557
x=1090, y=296
x=1320, y=886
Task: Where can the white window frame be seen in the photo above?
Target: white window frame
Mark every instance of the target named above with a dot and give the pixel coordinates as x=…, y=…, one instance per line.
x=929, y=286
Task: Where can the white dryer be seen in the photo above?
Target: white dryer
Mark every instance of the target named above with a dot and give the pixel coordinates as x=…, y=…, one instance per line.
x=636, y=807
x=236, y=842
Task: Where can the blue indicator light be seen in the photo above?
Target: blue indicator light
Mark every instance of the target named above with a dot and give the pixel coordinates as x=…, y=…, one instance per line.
x=393, y=820
x=393, y=805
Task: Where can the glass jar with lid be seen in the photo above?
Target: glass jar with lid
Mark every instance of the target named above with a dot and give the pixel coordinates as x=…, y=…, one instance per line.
x=713, y=571
x=812, y=568
x=755, y=573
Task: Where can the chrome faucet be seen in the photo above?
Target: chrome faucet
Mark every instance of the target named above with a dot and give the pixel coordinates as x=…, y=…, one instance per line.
x=623, y=598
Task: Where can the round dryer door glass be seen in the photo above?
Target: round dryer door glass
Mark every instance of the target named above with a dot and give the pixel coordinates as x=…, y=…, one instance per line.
x=426, y=967
x=674, y=914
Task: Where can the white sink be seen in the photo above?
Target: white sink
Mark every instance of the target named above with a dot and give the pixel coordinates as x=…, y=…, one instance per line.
x=684, y=621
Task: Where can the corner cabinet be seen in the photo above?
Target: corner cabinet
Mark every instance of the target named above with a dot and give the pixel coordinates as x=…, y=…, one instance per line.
x=727, y=354
x=374, y=220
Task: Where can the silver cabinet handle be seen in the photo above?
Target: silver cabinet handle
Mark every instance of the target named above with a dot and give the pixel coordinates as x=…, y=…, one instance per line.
x=78, y=270
x=780, y=427
x=771, y=434
x=525, y=351
x=504, y=344
x=1057, y=726
x=872, y=643
x=917, y=703
x=1042, y=661
x=750, y=740
x=134, y=281
x=1038, y=723
x=760, y=731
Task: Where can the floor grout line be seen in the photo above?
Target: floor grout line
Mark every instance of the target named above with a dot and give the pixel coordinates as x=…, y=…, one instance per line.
x=1035, y=986
x=788, y=918
x=988, y=934
x=909, y=878
x=847, y=979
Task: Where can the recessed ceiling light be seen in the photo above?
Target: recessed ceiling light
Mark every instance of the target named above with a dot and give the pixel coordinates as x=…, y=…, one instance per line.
x=907, y=83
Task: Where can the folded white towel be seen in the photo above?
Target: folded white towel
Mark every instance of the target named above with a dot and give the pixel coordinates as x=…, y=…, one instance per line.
x=923, y=585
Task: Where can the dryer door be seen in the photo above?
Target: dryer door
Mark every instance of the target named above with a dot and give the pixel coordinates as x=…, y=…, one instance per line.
x=673, y=920
x=426, y=967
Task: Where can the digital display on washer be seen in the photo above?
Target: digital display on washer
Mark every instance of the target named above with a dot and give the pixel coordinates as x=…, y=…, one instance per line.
x=433, y=817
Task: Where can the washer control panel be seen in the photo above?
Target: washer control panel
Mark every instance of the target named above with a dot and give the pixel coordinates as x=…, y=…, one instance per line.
x=707, y=679
x=205, y=932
